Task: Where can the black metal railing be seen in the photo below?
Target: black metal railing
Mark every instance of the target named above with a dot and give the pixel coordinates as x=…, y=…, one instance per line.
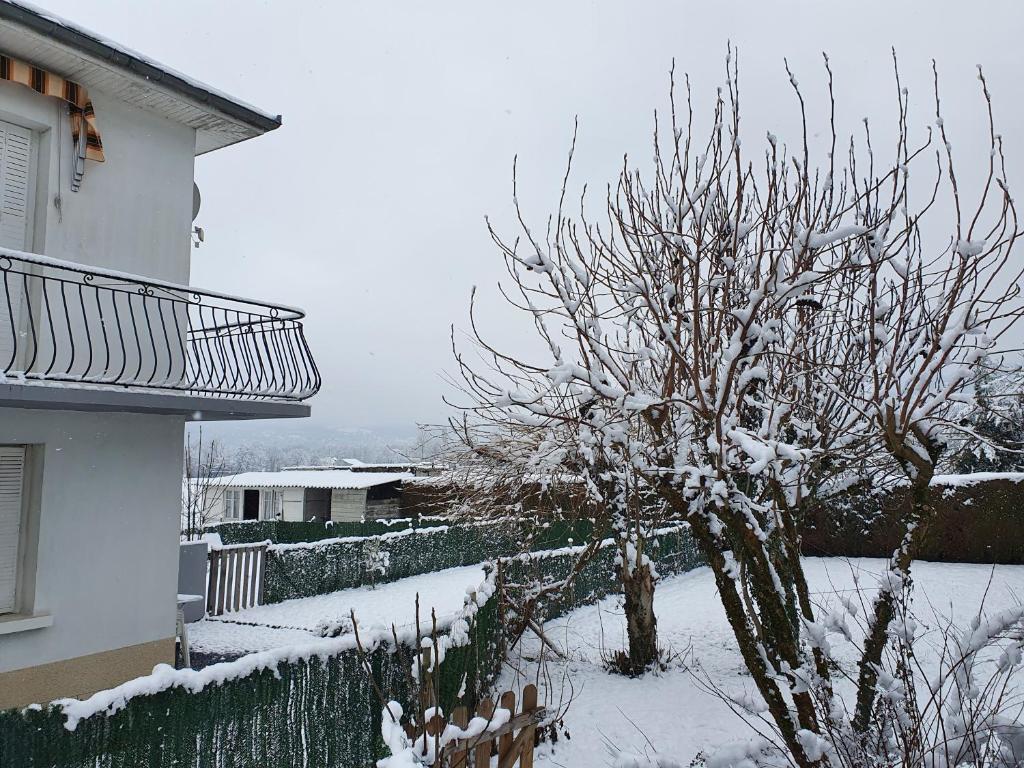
x=67, y=323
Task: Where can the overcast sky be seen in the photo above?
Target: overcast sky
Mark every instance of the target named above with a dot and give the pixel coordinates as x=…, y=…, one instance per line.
x=401, y=120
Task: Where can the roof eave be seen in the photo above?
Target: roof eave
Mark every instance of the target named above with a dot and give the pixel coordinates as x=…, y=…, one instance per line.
x=92, y=46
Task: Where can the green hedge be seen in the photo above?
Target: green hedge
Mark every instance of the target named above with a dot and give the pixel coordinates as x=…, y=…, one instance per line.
x=295, y=709
x=672, y=550
x=317, y=568
x=321, y=567
x=980, y=523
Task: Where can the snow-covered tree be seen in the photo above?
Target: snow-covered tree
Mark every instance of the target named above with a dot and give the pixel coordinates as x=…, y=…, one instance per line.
x=931, y=322
x=742, y=334
x=993, y=440
x=202, y=494
x=557, y=472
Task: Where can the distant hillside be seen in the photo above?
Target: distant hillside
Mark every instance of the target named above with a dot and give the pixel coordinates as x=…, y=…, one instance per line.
x=273, y=445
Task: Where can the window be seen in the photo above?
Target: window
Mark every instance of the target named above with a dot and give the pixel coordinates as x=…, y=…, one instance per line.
x=232, y=505
x=273, y=505
x=12, y=483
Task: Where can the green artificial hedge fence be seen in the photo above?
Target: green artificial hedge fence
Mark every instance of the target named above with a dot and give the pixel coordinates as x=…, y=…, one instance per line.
x=290, y=709
x=673, y=550
x=319, y=567
x=979, y=523
x=548, y=535
x=310, y=706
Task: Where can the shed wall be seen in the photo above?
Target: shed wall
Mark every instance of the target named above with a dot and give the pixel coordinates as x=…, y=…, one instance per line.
x=348, y=505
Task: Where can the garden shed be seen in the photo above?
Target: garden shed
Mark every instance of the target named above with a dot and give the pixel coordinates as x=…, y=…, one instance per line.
x=340, y=495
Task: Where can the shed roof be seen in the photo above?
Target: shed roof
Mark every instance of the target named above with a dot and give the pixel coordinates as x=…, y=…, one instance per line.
x=331, y=478
x=49, y=41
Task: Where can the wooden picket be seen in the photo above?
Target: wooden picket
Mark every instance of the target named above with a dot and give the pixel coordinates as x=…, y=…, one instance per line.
x=235, y=578
x=513, y=742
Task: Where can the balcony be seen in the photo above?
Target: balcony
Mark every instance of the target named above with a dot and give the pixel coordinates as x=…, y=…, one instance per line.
x=74, y=337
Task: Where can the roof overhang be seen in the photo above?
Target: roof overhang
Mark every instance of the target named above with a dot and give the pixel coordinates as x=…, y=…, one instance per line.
x=48, y=41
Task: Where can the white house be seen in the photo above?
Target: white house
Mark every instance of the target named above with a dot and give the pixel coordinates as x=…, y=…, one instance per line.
x=340, y=495
x=105, y=353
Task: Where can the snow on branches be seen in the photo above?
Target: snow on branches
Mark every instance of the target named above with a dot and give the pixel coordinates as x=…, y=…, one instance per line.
x=737, y=336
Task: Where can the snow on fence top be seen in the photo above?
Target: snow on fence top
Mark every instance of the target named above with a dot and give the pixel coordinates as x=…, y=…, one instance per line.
x=576, y=549
x=390, y=535
x=975, y=478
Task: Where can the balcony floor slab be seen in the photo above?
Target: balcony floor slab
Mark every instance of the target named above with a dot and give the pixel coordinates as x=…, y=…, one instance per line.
x=134, y=400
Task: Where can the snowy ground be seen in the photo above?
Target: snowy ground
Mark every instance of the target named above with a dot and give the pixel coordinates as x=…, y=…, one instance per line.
x=294, y=622
x=669, y=713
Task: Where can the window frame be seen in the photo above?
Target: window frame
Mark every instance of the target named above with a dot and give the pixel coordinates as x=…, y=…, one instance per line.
x=272, y=504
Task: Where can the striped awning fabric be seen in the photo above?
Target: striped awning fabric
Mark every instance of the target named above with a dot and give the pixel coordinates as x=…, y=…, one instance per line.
x=77, y=99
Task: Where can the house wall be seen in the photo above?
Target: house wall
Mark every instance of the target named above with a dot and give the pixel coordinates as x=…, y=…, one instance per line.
x=106, y=556
x=348, y=505
x=133, y=213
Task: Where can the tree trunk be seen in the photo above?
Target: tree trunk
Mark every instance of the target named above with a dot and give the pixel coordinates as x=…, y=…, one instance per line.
x=641, y=623
x=918, y=516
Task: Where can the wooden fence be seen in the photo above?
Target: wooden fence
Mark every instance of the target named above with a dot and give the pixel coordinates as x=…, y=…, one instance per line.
x=235, y=578
x=512, y=742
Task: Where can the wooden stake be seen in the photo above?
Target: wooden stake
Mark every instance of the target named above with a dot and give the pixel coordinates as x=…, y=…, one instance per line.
x=508, y=701
x=482, y=751
x=530, y=731
x=460, y=758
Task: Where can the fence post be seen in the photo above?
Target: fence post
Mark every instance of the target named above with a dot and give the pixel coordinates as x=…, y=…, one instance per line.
x=529, y=705
x=426, y=680
x=460, y=758
x=262, y=558
x=508, y=701
x=223, y=585
x=248, y=558
x=482, y=751
x=236, y=586
x=211, y=582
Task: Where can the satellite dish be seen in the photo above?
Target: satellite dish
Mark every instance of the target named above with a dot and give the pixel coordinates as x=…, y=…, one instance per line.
x=197, y=200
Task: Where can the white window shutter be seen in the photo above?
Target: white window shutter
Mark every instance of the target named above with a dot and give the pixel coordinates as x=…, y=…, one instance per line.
x=15, y=174
x=12, y=480
x=15, y=170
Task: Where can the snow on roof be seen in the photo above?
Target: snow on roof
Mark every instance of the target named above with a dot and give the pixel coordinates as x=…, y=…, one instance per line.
x=313, y=478
x=217, y=116
x=358, y=464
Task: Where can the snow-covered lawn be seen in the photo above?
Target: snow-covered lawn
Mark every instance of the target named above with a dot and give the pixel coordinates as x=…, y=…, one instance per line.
x=294, y=622
x=670, y=713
